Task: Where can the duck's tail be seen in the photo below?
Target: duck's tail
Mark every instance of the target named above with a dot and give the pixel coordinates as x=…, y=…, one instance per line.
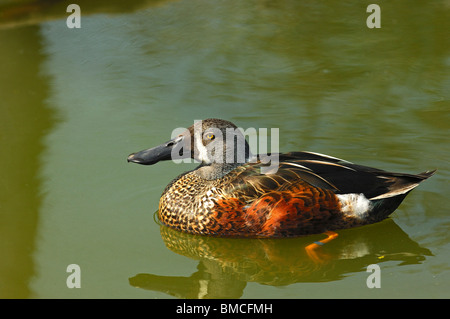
x=401, y=184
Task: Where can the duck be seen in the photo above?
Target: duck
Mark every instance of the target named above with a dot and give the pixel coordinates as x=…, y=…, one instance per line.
x=233, y=193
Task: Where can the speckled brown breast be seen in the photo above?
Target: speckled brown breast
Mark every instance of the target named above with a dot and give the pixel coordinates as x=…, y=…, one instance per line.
x=187, y=204
x=246, y=204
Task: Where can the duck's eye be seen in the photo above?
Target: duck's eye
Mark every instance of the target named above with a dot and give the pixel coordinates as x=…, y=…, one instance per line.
x=210, y=136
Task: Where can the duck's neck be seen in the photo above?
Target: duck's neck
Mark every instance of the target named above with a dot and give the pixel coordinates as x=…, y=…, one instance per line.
x=215, y=170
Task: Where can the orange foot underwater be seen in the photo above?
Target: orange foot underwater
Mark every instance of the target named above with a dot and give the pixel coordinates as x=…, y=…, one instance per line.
x=313, y=250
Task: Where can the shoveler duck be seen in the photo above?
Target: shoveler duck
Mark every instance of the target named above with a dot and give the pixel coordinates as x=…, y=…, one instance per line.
x=309, y=193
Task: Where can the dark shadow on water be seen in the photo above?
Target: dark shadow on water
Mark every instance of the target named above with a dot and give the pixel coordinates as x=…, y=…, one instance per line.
x=226, y=265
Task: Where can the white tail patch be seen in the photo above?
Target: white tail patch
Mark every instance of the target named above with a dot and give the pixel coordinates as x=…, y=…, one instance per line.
x=356, y=205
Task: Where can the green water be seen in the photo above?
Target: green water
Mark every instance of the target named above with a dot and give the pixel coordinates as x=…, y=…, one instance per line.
x=75, y=102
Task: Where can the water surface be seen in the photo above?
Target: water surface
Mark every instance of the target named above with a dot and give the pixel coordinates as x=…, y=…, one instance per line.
x=76, y=102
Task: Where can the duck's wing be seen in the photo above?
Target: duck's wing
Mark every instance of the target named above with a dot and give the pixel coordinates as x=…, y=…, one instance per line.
x=348, y=177
x=281, y=203
x=326, y=172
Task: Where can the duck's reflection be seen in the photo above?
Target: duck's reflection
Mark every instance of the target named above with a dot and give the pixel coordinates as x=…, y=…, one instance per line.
x=226, y=265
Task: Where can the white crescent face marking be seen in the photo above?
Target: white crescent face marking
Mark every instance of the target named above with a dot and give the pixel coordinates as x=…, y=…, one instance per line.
x=356, y=205
x=202, y=150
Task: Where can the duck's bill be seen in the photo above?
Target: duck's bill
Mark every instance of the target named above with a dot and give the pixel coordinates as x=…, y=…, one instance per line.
x=151, y=156
x=162, y=152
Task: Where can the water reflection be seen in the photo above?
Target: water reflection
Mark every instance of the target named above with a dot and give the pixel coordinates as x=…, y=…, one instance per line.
x=22, y=12
x=226, y=265
x=24, y=120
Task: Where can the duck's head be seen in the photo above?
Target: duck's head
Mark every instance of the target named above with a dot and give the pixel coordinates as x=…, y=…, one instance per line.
x=217, y=144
